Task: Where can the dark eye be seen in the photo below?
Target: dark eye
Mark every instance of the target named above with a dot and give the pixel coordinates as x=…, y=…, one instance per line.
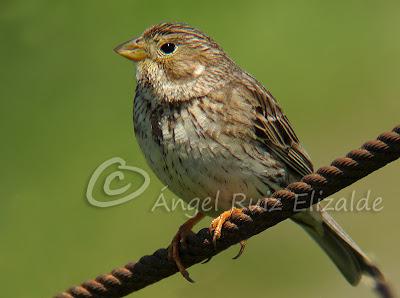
x=168, y=48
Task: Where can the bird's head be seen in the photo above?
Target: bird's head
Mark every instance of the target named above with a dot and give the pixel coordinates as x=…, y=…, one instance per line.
x=175, y=55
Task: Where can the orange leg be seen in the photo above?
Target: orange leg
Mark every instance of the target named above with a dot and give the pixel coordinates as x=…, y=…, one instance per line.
x=217, y=224
x=180, y=236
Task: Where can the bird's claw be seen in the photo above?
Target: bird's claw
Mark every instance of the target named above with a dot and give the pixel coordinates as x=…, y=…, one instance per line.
x=241, y=250
x=181, y=237
x=218, y=223
x=173, y=251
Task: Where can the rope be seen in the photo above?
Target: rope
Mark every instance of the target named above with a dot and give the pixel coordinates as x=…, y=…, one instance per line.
x=268, y=212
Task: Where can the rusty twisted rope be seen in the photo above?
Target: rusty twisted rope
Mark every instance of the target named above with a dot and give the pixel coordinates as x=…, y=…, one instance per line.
x=313, y=188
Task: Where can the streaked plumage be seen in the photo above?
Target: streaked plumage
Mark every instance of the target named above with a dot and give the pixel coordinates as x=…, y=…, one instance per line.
x=209, y=129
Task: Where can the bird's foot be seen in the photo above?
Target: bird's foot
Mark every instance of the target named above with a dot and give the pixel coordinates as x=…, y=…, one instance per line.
x=217, y=224
x=180, y=237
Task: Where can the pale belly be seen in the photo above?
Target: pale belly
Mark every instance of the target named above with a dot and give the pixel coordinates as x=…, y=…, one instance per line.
x=206, y=169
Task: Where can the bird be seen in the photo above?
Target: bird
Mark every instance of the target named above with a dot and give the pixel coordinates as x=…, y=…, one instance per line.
x=208, y=129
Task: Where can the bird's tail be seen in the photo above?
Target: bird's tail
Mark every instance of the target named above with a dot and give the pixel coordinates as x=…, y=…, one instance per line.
x=342, y=250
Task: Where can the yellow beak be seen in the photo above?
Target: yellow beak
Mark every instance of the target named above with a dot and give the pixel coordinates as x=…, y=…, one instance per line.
x=132, y=50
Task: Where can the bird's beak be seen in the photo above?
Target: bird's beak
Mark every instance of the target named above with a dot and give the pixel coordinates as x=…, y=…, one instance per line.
x=132, y=50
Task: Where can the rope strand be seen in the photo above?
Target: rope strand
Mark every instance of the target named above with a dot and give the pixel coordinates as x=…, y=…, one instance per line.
x=268, y=212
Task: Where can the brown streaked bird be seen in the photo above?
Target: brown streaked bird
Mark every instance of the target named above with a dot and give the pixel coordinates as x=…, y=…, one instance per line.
x=208, y=129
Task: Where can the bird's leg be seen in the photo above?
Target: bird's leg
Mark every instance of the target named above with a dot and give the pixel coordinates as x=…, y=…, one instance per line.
x=217, y=224
x=173, y=250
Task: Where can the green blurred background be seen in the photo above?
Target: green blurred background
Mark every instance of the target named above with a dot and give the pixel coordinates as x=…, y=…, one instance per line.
x=66, y=102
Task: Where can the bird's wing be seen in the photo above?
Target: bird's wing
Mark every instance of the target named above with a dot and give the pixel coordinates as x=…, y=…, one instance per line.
x=274, y=130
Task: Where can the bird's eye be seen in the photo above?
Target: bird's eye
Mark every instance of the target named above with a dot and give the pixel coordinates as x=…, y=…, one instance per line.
x=168, y=48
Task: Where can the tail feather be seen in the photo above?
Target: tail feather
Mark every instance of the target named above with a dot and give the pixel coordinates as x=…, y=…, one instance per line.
x=352, y=262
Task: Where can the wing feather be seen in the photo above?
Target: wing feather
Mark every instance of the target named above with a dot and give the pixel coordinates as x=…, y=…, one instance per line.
x=274, y=130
